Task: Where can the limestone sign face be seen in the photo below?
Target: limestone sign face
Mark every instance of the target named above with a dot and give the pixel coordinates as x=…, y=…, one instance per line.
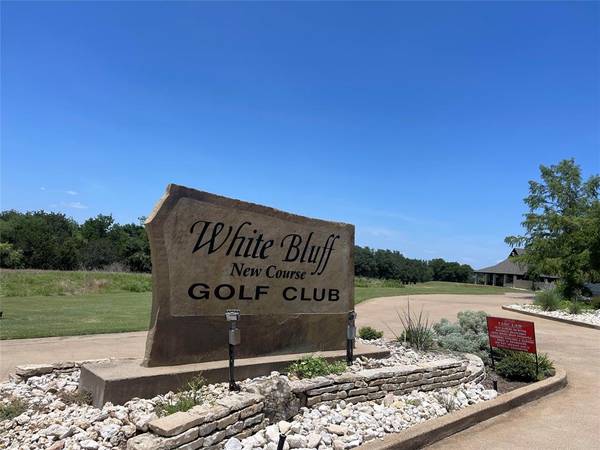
x=211, y=253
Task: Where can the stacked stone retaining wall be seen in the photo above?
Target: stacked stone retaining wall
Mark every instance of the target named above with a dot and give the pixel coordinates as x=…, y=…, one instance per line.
x=243, y=414
x=205, y=426
x=373, y=384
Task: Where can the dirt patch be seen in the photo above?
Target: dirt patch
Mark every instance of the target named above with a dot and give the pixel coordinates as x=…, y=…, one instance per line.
x=504, y=385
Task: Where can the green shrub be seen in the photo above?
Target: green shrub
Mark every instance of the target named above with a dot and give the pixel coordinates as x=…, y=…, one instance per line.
x=520, y=366
x=12, y=408
x=548, y=300
x=472, y=321
x=315, y=366
x=187, y=397
x=181, y=403
x=417, y=330
x=369, y=333
x=595, y=302
x=11, y=258
x=574, y=307
x=469, y=335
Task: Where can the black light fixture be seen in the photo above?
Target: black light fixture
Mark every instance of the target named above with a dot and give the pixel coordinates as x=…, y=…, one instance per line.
x=232, y=316
x=350, y=337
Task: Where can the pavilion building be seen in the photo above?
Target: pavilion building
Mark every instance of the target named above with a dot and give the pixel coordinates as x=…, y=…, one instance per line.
x=510, y=273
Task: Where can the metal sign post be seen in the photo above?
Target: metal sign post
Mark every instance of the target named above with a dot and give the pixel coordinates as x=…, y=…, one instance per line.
x=232, y=316
x=351, y=336
x=494, y=378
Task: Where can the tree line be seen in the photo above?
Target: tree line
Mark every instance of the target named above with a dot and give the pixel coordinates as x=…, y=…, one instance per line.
x=392, y=265
x=48, y=240
x=53, y=241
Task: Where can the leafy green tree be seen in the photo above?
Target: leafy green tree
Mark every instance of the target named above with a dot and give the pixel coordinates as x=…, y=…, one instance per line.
x=562, y=227
x=101, y=241
x=10, y=258
x=45, y=240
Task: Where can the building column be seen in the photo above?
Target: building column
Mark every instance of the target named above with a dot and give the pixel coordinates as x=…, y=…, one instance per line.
x=505, y=280
x=494, y=279
x=475, y=277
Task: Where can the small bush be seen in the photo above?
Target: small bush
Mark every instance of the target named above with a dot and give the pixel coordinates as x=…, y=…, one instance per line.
x=13, y=408
x=369, y=333
x=187, y=397
x=548, y=300
x=417, y=330
x=595, y=302
x=472, y=321
x=574, y=307
x=520, y=366
x=469, y=335
x=448, y=401
x=182, y=402
x=315, y=366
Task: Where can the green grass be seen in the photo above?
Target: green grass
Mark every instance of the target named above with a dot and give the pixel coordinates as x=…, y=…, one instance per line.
x=28, y=283
x=53, y=303
x=40, y=316
x=432, y=287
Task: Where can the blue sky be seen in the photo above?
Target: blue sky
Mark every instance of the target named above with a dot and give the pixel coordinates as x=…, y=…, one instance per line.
x=419, y=123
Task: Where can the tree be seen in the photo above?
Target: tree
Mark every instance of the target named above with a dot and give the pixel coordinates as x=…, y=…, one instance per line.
x=44, y=240
x=561, y=227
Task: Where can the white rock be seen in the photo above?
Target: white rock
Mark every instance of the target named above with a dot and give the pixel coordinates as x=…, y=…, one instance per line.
x=296, y=441
x=337, y=429
x=313, y=440
x=22, y=419
x=388, y=400
x=56, y=430
x=489, y=394
x=338, y=445
x=88, y=444
x=109, y=430
x=233, y=444
x=284, y=426
x=272, y=433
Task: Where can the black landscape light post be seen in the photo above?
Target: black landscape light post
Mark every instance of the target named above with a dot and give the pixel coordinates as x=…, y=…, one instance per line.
x=351, y=336
x=281, y=442
x=232, y=316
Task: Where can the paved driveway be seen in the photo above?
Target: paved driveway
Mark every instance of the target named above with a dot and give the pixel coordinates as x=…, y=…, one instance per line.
x=569, y=419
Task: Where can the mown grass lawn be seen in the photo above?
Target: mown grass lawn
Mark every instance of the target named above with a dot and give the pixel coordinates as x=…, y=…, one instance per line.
x=42, y=316
x=69, y=315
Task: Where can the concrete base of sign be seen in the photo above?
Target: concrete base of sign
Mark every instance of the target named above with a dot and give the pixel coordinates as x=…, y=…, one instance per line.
x=118, y=381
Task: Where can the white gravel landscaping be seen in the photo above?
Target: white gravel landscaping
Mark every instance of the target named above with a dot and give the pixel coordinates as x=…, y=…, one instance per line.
x=347, y=425
x=54, y=420
x=591, y=317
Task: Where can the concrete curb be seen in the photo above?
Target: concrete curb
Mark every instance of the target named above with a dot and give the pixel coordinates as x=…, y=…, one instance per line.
x=435, y=430
x=557, y=319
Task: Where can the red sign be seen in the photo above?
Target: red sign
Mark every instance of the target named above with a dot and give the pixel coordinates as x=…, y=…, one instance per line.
x=511, y=334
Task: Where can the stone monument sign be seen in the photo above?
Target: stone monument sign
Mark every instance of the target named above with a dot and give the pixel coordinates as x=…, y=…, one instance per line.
x=291, y=277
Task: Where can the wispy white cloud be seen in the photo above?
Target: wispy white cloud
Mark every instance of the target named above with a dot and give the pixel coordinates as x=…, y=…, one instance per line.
x=71, y=192
x=380, y=232
x=74, y=205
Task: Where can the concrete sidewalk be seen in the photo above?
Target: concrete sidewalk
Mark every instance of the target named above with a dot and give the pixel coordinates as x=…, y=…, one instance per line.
x=16, y=352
